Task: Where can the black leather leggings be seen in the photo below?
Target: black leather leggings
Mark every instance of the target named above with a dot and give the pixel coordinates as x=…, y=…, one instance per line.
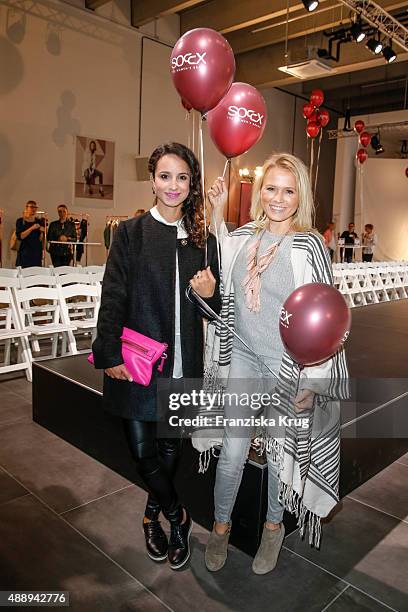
x=157, y=460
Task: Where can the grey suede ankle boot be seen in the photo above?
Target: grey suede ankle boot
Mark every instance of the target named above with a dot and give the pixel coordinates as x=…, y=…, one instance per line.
x=269, y=549
x=216, y=550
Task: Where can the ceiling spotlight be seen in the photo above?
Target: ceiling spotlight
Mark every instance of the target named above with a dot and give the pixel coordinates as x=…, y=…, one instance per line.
x=375, y=45
x=310, y=5
x=376, y=144
x=389, y=54
x=357, y=31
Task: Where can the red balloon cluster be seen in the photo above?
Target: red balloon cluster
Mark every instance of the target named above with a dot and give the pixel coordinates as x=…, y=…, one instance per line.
x=364, y=140
x=316, y=117
x=202, y=68
x=314, y=322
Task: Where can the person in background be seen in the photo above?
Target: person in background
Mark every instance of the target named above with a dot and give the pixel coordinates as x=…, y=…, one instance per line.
x=140, y=211
x=30, y=231
x=369, y=242
x=349, y=238
x=62, y=231
x=330, y=238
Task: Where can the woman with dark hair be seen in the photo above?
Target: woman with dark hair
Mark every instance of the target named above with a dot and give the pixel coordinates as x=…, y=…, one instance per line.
x=153, y=258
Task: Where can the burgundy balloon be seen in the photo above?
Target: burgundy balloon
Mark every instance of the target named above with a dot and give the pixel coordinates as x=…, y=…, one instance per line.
x=186, y=105
x=365, y=139
x=323, y=117
x=314, y=322
x=308, y=110
x=237, y=123
x=202, y=68
x=359, y=126
x=361, y=156
x=406, y=172
x=312, y=129
x=317, y=97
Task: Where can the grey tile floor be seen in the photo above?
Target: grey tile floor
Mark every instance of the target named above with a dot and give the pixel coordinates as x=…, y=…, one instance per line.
x=69, y=523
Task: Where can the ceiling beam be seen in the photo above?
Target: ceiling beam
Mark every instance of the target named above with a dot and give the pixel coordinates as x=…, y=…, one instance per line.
x=95, y=4
x=274, y=31
x=144, y=11
x=301, y=23
x=230, y=15
x=259, y=67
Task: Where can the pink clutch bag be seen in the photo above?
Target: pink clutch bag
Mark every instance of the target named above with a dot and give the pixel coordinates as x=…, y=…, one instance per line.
x=140, y=354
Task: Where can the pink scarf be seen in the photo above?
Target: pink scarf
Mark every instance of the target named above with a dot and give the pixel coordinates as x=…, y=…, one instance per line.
x=255, y=267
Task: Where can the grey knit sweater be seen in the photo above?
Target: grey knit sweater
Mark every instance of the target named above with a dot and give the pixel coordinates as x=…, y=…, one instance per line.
x=261, y=329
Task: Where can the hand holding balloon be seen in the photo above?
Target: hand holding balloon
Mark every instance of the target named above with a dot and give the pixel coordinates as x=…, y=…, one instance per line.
x=218, y=196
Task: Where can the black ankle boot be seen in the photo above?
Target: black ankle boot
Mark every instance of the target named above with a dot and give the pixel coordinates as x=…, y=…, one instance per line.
x=156, y=540
x=179, y=542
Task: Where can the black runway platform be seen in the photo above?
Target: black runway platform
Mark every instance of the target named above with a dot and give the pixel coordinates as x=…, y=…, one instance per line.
x=67, y=400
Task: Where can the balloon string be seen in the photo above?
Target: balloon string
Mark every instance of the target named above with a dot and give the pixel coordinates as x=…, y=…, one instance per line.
x=317, y=163
x=227, y=163
x=193, y=139
x=232, y=331
x=203, y=189
x=187, y=118
x=311, y=160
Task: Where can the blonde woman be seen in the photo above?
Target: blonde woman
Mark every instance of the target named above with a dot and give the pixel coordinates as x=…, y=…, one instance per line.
x=263, y=262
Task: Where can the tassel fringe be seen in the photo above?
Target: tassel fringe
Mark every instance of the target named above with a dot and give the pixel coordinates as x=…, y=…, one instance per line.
x=204, y=459
x=305, y=518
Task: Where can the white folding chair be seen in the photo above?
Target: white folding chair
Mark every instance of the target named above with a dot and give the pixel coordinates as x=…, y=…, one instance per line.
x=84, y=319
x=11, y=331
x=35, y=271
x=93, y=269
x=76, y=303
x=10, y=272
x=60, y=270
x=354, y=291
x=39, y=329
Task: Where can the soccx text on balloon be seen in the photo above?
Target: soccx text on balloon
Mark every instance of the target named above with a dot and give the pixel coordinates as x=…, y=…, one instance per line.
x=245, y=113
x=193, y=59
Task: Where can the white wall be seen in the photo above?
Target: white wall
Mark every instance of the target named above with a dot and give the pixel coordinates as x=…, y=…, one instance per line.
x=66, y=71
x=383, y=191
x=385, y=205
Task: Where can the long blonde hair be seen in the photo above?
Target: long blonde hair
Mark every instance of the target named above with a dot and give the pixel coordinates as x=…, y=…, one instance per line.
x=303, y=219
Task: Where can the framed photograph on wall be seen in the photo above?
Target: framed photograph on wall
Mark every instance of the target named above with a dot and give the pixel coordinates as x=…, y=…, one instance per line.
x=94, y=168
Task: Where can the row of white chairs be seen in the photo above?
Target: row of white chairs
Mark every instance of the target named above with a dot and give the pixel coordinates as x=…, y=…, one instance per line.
x=20, y=272
x=372, y=284
x=60, y=313
x=369, y=264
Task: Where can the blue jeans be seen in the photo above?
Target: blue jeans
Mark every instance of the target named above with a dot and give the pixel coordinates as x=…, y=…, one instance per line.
x=236, y=444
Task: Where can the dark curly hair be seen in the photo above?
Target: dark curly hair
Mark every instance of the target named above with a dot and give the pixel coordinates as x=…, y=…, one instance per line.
x=193, y=209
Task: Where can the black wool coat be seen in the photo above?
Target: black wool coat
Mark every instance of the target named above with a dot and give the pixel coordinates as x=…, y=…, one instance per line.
x=138, y=291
